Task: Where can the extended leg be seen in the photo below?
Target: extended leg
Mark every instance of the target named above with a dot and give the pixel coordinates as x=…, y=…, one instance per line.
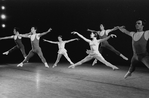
x=101, y=59
x=108, y=46
x=10, y=50
x=40, y=54
x=132, y=67
x=66, y=56
x=57, y=60
x=31, y=53
x=23, y=50
x=87, y=58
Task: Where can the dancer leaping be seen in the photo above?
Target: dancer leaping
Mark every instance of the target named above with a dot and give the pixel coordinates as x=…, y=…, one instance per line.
x=18, y=40
x=105, y=44
x=35, y=38
x=94, y=53
x=62, y=50
x=139, y=43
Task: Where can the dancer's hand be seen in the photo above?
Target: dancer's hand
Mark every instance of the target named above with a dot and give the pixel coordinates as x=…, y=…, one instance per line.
x=89, y=30
x=113, y=35
x=77, y=38
x=74, y=32
x=117, y=27
x=44, y=40
x=49, y=29
x=121, y=27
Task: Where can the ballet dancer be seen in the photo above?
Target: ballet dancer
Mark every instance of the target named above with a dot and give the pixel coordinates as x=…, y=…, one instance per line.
x=105, y=44
x=62, y=50
x=35, y=38
x=139, y=43
x=93, y=53
x=18, y=40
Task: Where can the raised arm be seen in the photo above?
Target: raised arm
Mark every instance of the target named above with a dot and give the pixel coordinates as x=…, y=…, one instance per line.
x=122, y=29
x=8, y=37
x=87, y=40
x=110, y=30
x=104, y=39
x=44, y=33
x=50, y=41
x=71, y=40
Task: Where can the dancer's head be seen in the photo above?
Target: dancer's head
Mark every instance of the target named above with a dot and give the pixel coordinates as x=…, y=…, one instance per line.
x=33, y=30
x=139, y=25
x=60, y=38
x=101, y=27
x=15, y=31
x=92, y=35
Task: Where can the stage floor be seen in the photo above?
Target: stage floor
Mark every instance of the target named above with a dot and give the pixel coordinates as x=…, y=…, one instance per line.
x=33, y=80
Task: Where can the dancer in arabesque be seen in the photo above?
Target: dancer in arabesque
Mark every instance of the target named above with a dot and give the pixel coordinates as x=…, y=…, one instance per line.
x=18, y=41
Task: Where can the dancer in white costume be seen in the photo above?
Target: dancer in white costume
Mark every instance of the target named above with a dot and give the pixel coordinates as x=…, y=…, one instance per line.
x=94, y=53
x=103, y=34
x=18, y=40
x=35, y=38
x=62, y=50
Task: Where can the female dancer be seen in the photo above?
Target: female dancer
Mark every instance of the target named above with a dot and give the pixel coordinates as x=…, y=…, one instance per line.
x=17, y=38
x=35, y=38
x=105, y=44
x=94, y=53
x=139, y=42
x=62, y=50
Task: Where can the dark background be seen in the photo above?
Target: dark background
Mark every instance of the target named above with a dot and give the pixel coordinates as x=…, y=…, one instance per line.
x=65, y=16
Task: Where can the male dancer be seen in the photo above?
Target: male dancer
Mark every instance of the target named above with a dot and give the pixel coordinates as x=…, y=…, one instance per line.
x=139, y=42
x=62, y=50
x=103, y=34
x=94, y=53
x=17, y=38
x=34, y=37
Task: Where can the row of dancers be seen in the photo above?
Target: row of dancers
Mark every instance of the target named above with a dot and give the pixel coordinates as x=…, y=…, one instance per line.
x=139, y=42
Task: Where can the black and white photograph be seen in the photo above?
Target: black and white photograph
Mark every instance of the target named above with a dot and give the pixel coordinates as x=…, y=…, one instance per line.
x=74, y=49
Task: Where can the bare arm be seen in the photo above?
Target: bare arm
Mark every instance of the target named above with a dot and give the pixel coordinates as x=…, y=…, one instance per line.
x=27, y=35
x=8, y=37
x=71, y=40
x=44, y=33
x=50, y=41
x=122, y=29
x=87, y=40
x=104, y=39
x=110, y=30
x=92, y=30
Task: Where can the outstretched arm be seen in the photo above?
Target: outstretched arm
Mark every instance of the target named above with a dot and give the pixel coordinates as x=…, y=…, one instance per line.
x=44, y=33
x=92, y=30
x=71, y=40
x=110, y=30
x=87, y=40
x=8, y=37
x=27, y=35
x=122, y=29
x=104, y=39
x=50, y=41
